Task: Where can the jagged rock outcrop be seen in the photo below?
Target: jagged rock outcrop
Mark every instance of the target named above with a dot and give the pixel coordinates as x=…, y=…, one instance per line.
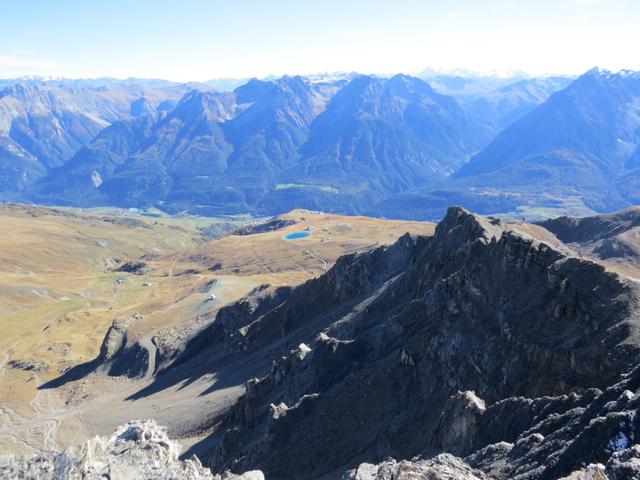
x=396, y=334
x=116, y=356
x=138, y=450
x=233, y=322
x=548, y=437
x=442, y=467
x=115, y=339
x=268, y=226
x=458, y=422
x=29, y=365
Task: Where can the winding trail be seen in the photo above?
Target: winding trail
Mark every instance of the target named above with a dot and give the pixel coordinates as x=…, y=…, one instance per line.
x=9, y=414
x=6, y=358
x=29, y=446
x=50, y=422
x=6, y=412
x=50, y=442
x=50, y=436
x=15, y=423
x=325, y=264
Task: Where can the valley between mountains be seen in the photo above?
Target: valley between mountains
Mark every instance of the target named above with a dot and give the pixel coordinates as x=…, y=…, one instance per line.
x=357, y=348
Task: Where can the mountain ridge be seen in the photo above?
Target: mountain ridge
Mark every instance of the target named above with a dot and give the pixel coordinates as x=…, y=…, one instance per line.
x=351, y=144
x=270, y=143
x=400, y=331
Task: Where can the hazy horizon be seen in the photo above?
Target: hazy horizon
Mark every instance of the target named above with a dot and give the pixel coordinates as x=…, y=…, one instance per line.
x=425, y=73
x=462, y=72
x=200, y=40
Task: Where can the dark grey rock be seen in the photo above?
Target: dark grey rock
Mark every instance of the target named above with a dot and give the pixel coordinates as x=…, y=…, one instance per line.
x=543, y=338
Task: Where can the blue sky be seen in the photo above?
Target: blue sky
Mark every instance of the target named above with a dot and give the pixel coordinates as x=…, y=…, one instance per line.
x=200, y=39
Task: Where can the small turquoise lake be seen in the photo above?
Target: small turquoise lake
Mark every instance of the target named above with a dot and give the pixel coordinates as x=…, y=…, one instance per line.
x=296, y=235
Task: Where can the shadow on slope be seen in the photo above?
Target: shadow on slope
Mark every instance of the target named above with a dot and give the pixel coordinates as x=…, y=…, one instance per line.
x=245, y=337
x=77, y=372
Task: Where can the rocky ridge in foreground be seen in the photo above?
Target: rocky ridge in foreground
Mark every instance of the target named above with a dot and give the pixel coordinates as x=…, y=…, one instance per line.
x=138, y=450
x=483, y=341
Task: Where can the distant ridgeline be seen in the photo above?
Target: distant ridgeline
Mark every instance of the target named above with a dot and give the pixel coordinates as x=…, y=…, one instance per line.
x=393, y=147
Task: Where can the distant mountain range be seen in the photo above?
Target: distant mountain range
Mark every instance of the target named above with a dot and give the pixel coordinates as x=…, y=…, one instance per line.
x=44, y=123
x=399, y=146
x=582, y=142
x=575, y=153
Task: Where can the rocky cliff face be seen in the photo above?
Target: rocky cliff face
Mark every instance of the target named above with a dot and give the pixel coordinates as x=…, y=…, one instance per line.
x=481, y=341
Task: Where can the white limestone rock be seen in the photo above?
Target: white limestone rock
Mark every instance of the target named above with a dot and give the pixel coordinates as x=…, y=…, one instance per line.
x=139, y=449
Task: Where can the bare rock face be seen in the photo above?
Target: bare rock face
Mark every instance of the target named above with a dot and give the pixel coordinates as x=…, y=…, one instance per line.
x=591, y=472
x=117, y=357
x=442, y=467
x=623, y=465
x=458, y=421
x=553, y=437
x=115, y=339
x=263, y=227
x=140, y=449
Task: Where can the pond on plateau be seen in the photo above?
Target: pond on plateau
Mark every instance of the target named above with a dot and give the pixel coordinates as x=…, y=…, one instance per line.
x=296, y=235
